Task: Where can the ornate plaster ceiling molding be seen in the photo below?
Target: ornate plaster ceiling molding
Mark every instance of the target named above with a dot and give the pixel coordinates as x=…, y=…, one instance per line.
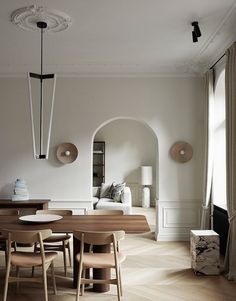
x=27, y=18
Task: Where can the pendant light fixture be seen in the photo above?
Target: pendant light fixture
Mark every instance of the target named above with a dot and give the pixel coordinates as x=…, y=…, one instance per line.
x=40, y=134
x=39, y=19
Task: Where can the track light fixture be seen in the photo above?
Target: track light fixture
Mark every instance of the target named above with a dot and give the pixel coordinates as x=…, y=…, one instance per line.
x=196, y=33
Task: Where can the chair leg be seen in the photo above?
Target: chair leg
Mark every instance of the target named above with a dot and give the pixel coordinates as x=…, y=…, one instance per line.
x=64, y=258
x=69, y=253
x=14, y=246
x=35, y=251
x=17, y=281
x=90, y=248
x=118, y=282
x=78, y=283
x=83, y=276
x=6, y=282
x=53, y=278
x=6, y=256
x=45, y=283
x=121, y=289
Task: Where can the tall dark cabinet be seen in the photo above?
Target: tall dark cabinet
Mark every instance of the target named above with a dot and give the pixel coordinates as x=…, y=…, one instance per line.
x=98, y=163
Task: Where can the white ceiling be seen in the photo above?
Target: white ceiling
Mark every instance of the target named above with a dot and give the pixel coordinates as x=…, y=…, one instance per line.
x=120, y=38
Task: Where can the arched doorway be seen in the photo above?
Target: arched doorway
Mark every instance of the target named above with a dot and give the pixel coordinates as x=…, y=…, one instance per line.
x=129, y=144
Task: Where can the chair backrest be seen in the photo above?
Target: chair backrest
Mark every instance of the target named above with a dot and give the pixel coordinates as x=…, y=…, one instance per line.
x=9, y=212
x=55, y=211
x=99, y=238
x=26, y=237
x=105, y=212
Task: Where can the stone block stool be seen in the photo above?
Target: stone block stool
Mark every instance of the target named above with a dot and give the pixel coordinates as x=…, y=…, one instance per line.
x=205, y=255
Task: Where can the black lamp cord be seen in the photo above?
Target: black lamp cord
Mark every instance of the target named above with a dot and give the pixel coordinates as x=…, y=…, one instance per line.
x=41, y=99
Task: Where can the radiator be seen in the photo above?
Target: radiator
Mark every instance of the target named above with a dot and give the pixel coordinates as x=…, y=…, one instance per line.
x=221, y=226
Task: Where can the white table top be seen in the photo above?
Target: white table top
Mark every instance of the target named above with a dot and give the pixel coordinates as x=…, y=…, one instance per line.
x=204, y=232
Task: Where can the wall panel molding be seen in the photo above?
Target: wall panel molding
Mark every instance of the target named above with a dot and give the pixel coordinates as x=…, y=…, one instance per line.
x=176, y=218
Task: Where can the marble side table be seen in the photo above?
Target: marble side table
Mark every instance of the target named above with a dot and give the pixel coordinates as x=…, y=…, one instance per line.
x=205, y=255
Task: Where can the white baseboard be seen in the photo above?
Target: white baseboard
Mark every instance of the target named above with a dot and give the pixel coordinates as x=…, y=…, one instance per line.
x=173, y=237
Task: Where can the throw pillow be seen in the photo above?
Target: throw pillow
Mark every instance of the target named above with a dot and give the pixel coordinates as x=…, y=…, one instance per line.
x=117, y=191
x=106, y=190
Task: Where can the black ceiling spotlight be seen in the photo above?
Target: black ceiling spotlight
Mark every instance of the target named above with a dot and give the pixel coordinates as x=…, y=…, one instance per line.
x=196, y=33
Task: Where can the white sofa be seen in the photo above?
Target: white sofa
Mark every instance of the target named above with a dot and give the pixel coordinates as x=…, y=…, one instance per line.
x=109, y=204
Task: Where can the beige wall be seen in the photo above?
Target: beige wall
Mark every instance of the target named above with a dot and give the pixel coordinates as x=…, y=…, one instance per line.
x=172, y=107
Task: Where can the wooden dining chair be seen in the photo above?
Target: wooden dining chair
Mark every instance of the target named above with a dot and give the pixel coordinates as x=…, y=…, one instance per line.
x=99, y=260
x=29, y=259
x=105, y=212
x=7, y=212
x=59, y=242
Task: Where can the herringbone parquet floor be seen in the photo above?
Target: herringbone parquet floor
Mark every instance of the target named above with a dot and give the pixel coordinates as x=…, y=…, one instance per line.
x=153, y=271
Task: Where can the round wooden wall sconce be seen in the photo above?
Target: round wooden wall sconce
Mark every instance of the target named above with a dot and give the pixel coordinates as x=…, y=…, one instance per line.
x=181, y=152
x=67, y=153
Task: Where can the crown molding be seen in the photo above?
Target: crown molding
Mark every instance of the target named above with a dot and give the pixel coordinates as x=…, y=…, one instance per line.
x=217, y=43
x=60, y=74
x=93, y=69
x=230, y=15
x=110, y=75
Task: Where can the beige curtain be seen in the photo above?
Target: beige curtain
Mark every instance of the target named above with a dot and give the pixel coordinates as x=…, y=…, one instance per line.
x=208, y=156
x=230, y=88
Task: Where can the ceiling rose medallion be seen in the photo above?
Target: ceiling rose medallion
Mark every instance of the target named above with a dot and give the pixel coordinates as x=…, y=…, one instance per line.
x=28, y=17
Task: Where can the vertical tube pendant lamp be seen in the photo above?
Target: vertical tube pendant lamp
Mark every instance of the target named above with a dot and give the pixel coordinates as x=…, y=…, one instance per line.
x=40, y=132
